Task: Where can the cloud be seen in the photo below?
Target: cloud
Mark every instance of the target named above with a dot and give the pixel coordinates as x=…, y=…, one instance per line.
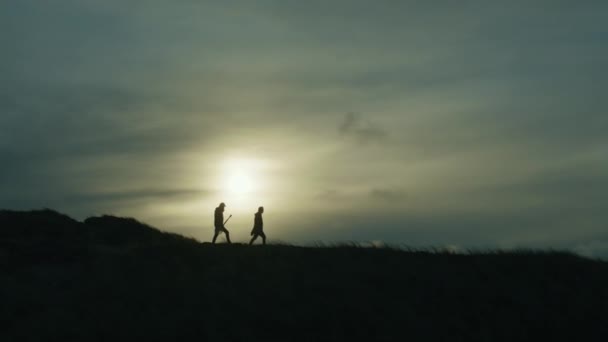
x=138, y=195
x=330, y=195
x=361, y=129
x=388, y=195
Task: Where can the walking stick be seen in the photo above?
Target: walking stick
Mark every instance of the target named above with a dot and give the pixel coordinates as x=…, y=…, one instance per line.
x=227, y=219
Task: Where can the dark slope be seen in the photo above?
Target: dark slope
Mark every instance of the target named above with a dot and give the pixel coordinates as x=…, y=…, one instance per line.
x=116, y=279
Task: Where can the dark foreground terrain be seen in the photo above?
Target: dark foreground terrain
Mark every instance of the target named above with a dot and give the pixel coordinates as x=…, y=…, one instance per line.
x=113, y=279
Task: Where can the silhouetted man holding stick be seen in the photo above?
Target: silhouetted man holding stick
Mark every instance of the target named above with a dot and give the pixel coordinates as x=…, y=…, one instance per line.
x=219, y=223
x=258, y=227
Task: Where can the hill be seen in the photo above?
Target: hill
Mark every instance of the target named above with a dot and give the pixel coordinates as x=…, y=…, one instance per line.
x=110, y=278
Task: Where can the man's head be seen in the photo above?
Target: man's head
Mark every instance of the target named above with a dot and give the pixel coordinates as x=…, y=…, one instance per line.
x=260, y=210
x=222, y=205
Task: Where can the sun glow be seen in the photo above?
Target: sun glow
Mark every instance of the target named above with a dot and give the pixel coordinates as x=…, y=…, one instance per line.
x=241, y=177
x=239, y=182
x=244, y=184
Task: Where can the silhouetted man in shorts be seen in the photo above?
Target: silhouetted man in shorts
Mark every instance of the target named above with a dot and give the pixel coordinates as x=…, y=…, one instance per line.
x=258, y=227
x=219, y=223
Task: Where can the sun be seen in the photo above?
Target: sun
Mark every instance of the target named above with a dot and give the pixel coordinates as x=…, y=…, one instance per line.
x=239, y=182
x=245, y=183
x=240, y=177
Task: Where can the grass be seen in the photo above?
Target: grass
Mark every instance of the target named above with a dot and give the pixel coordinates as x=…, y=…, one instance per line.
x=117, y=279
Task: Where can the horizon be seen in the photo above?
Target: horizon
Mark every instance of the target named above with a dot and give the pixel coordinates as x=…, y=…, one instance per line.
x=470, y=125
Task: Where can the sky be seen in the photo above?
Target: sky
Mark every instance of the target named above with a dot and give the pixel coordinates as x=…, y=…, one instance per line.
x=464, y=124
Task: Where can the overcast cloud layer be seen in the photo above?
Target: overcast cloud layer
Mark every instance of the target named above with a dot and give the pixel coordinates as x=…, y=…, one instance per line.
x=469, y=124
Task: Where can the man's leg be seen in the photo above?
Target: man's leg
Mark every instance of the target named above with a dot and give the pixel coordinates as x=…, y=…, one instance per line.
x=227, y=235
x=263, y=238
x=255, y=236
x=217, y=232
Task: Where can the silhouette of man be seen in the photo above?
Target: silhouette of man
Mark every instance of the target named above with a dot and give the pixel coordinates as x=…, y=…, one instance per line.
x=258, y=227
x=219, y=223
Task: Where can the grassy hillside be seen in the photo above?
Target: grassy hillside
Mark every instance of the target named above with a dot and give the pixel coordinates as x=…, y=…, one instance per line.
x=111, y=278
